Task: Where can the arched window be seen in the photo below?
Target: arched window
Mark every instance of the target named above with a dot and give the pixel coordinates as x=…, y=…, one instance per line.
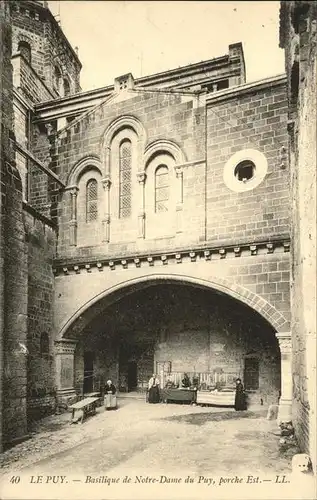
x=44, y=344
x=66, y=87
x=125, y=163
x=91, y=200
x=25, y=50
x=161, y=189
x=57, y=78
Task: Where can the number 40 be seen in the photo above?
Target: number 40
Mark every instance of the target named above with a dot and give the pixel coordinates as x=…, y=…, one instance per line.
x=15, y=479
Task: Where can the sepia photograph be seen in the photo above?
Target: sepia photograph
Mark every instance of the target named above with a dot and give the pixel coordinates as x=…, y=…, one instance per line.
x=158, y=250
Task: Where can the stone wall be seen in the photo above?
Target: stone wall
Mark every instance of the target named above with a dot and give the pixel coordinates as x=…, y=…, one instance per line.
x=298, y=37
x=253, y=119
x=204, y=211
x=13, y=262
x=164, y=116
x=28, y=81
x=40, y=246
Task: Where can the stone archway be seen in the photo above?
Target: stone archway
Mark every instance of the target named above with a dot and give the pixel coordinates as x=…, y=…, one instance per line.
x=264, y=308
x=67, y=336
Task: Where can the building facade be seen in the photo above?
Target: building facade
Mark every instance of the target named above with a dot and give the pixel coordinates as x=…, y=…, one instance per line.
x=153, y=217
x=298, y=36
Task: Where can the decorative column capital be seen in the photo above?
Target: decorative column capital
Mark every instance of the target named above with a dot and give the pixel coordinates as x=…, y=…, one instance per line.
x=141, y=176
x=285, y=342
x=65, y=346
x=106, y=182
x=178, y=170
x=73, y=190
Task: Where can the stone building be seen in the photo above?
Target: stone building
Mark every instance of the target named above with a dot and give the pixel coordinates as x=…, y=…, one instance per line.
x=146, y=227
x=298, y=36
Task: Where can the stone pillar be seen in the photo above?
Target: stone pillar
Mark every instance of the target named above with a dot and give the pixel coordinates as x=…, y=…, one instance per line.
x=179, y=199
x=141, y=217
x=285, y=404
x=73, y=216
x=106, y=182
x=64, y=355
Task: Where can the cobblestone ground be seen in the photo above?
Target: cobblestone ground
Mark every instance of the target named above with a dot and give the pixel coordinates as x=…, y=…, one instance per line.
x=178, y=436
x=145, y=438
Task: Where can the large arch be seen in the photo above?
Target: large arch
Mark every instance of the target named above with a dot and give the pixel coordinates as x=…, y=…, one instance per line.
x=70, y=335
x=223, y=285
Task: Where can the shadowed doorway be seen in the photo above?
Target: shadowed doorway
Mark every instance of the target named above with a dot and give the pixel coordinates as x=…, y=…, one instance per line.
x=132, y=376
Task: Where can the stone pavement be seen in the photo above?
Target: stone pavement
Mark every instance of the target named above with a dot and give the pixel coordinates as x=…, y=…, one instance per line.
x=143, y=439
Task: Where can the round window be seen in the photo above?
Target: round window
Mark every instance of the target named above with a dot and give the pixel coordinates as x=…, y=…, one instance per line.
x=245, y=170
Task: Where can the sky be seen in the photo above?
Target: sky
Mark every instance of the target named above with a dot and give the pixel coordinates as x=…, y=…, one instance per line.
x=146, y=37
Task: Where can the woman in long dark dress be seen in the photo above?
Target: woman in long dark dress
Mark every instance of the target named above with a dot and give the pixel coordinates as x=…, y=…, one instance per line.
x=240, y=399
x=110, y=396
x=154, y=392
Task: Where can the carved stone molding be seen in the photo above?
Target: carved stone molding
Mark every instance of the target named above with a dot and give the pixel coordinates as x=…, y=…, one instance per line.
x=178, y=256
x=106, y=182
x=285, y=342
x=65, y=346
x=178, y=171
x=141, y=176
x=253, y=249
x=222, y=253
x=74, y=191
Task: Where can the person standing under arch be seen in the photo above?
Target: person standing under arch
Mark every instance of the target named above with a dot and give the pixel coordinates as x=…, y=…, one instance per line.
x=110, y=396
x=154, y=391
x=240, y=403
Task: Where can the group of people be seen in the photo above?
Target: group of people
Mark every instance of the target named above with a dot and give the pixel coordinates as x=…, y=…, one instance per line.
x=240, y=400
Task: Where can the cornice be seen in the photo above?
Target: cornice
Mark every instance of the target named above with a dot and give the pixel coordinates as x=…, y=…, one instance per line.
x=246, y=88
x=82, y=101
x=78, y=265
x=190, y=69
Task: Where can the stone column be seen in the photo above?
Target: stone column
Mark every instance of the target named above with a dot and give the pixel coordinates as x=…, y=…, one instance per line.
x=141, y=217
x=285, y=404
x=64, y=356
x=106, y=182
x=179, y=199
x=73, y=217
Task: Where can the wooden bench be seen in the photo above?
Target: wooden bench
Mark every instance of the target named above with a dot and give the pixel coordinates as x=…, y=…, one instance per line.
x=86, y=406
x=94, y=395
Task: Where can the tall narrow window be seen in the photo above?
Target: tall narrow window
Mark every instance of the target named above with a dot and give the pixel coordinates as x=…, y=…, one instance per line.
x=66, y=87
x=25, y=50
x=91, y=200
x=161, y=189
x=57, y=78
x=125, y=160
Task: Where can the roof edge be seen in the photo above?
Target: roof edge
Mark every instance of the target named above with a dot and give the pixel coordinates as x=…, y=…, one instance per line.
x=246, y=88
